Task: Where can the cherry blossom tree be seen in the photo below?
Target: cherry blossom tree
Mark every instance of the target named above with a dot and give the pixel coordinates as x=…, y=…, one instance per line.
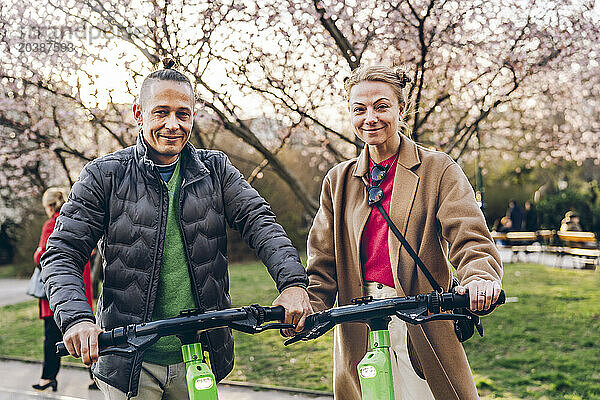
x=516, y=77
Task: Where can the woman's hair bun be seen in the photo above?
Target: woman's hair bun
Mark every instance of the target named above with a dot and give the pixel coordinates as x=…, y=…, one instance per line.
x=168, y=63
x=403, y=77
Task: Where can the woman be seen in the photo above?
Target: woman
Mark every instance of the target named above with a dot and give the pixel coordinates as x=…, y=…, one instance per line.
x=53, y=199
x=352, y=253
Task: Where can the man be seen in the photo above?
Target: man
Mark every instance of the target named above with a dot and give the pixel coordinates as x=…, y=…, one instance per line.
x=530, y=220
x=515, y=214
x=160, y=209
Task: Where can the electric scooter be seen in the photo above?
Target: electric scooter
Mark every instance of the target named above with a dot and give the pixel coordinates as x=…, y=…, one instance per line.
x=375, y=369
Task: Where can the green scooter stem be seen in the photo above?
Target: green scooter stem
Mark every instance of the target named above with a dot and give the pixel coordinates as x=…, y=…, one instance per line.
x=201, y=382
x=375, y=369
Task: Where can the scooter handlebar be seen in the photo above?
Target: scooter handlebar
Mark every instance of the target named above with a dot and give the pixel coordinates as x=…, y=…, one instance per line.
x=451, y=301
x=105, y=339
x=365, y=309
x=247, y=319
x=276, y=313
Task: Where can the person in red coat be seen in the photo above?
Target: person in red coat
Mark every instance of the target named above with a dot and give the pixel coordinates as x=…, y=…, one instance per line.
x=53, y=199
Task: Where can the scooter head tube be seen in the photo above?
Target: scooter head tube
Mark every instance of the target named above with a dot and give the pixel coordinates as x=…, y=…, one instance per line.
x=201, y=382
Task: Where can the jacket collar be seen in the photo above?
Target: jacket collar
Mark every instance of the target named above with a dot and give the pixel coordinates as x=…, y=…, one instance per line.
x=408, y=157
x=192, y=166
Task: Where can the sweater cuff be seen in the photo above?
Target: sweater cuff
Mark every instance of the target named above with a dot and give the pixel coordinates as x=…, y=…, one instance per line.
x=294, y=284
x=76, y=322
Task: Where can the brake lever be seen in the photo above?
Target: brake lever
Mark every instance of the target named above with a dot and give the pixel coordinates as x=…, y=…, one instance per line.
x=295, y=339
x=134, y=345
x=479, y=326
x=421, y=319
x=316, y=331
x=274, y=325
x=118, y=350
x=251, y=326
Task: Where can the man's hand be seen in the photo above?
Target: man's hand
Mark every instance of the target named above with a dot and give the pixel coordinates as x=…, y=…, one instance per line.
x=297, y=307
x=81, y=340
x=482, y=293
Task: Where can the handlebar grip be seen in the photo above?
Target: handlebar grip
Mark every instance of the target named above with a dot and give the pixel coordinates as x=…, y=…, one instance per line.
x=501, y=298
x=105, y=339
x=61, y=349
x=451, y=301
x=276, y=313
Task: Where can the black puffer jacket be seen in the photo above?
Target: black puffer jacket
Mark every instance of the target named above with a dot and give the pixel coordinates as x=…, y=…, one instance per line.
x=122, y=199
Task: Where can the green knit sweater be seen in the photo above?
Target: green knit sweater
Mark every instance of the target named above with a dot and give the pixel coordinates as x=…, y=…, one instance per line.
x=174, y=286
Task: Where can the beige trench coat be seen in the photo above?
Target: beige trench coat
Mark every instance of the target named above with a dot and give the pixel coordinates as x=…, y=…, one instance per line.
x=434, y=207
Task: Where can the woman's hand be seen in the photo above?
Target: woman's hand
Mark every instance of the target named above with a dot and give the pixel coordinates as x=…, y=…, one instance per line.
x=482, y=293
x=37, y=255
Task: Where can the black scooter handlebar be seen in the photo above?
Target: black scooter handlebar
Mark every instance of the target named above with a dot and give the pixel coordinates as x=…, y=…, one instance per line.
x=413, y=309
x=276, y=313
x=105, y=339
x=247, y=319
x=451, y=301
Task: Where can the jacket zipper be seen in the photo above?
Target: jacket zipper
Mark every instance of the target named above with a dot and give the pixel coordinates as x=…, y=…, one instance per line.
x=152, y=277
x=195, y=295
x=157, y=248
x=185, y=250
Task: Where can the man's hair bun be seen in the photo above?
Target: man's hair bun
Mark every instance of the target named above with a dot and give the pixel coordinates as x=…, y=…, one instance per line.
x=403, y=77
x=168, y=63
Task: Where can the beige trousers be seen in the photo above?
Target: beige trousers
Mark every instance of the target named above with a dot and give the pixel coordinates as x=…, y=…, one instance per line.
x=407, y=384
x=171, y=377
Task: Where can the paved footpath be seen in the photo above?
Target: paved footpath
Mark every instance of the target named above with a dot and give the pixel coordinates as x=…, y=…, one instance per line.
x=16, y=378
x=12, y=291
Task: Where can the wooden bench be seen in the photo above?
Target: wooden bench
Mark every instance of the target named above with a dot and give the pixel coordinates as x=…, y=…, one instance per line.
x=519, y=242
x=582, y=245
x=523, y=242
x=498, y=236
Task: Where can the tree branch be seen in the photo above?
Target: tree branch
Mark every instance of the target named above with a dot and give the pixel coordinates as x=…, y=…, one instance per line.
x=342, y=43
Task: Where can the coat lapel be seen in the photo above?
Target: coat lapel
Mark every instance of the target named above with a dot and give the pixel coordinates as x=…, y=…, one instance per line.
x=362, y=210
x=403, y=196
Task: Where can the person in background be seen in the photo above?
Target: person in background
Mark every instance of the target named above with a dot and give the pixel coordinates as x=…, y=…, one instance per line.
x=52, y=200
x=515, y=214
x=504, y=225
x=570, y=222
x=531, y=217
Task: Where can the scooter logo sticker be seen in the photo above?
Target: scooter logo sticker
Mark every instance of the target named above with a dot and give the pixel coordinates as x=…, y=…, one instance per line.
x=203, y=383
x=368, y=371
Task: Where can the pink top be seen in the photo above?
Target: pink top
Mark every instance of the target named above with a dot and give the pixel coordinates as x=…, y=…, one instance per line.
x=374, y=250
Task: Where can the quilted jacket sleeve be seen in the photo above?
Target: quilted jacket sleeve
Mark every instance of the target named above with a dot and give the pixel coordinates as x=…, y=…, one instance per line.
x=77, y=231
x=247, y=212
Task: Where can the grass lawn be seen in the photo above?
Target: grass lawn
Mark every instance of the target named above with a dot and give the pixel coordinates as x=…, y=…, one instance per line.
x=16, y=270
x=545, y=346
